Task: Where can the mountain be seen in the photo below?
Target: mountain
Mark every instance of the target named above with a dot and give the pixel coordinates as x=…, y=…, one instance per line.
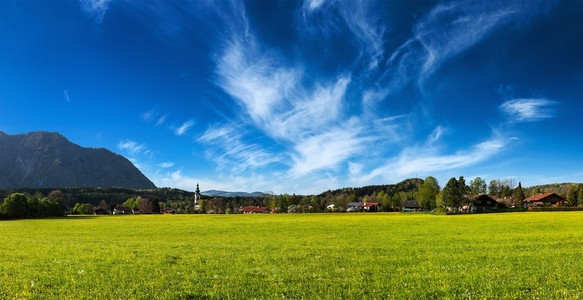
x=49, y=160
x=215, y=193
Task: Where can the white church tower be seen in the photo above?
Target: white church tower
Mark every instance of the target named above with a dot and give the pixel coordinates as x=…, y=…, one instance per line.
x=197, y=198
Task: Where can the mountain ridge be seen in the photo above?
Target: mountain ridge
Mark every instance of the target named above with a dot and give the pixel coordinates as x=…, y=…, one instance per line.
x=219, y=193
x=43, y=159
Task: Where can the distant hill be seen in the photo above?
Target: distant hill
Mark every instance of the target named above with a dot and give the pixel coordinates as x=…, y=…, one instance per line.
x=559, y=188
x=49, y=160
x=407, y=185
x=215, y=193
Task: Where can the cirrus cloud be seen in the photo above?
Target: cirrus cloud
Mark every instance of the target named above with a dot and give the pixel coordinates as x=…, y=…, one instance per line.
x=528, y=109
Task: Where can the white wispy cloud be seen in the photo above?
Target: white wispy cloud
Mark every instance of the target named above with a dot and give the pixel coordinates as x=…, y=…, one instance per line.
x=311, y=123
x=154, y=116
x=414, y=161
x=95, y=8
x=312, y=119
x=131, y=147
x=162, y=119
x=66, y=95
x=361, y=17
x=182, y=129
x=436, y=134
x=446, y=31
x=188, y=182
x=312, y=5
x=166, y=165
x=528, y=110
x=231, y=152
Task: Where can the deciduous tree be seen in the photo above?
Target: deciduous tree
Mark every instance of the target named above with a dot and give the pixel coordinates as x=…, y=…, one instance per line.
x=14, y=206
x=478, y=186
x=428, y=192
x=144, y=206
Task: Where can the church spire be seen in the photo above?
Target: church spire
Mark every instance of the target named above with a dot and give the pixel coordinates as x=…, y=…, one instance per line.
x=196, y=197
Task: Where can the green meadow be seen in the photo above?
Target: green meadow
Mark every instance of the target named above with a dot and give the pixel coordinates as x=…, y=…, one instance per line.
x=310, y=256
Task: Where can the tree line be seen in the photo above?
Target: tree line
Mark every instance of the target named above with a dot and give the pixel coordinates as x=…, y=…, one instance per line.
x=20, y=206
x=428, y=193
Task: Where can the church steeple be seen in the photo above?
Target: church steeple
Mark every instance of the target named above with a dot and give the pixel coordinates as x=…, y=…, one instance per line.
x=196, y=197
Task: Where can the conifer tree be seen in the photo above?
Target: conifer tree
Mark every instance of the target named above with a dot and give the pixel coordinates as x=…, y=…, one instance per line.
x=518, y=195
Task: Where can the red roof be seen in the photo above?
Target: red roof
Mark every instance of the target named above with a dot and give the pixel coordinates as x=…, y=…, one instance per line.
x=369, y=204
x=540, y=197
x=253, y=209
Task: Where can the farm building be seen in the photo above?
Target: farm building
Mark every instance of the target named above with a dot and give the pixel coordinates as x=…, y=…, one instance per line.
x=410, y=205
x=253, y=210
x=546, y=199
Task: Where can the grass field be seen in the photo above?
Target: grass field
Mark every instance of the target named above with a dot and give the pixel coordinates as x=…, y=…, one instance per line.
x=340, y=256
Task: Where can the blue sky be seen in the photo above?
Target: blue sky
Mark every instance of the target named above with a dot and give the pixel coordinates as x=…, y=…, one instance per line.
x=302, y=97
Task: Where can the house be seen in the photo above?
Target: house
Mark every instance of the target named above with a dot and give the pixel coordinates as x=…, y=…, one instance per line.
x=360, y=206
x=482, y=203
x=411, y=205
x=253, y=210
x=122, y=210
x=100, y=211
x=370, y=206
x=546, y=199
x=353, y=206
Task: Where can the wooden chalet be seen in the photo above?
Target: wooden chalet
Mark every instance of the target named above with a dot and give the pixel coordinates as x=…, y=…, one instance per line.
x=100, y=211
x=482, y=203
x=546, y=199
x=410, y=206
x=253, y=210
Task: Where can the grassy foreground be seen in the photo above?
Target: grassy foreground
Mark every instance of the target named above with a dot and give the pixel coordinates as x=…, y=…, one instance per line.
x=346, y=256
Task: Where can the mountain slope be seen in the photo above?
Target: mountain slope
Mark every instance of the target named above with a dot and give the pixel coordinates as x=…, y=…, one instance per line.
x=49, y=160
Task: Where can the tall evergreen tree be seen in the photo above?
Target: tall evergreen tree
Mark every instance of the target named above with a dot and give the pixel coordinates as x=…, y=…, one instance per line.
x=462, y=186
x=518, y=195
x=573, y=195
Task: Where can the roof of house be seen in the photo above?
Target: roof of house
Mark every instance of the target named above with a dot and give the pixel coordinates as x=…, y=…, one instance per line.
x=369, y=204
x=123, y=208
x=253, y=209
x=482, y=198
x=540, y=197
x=411, y=204
x=353, y=204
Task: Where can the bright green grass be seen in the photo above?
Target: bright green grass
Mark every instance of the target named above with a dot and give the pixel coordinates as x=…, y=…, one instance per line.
x=340, y=256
